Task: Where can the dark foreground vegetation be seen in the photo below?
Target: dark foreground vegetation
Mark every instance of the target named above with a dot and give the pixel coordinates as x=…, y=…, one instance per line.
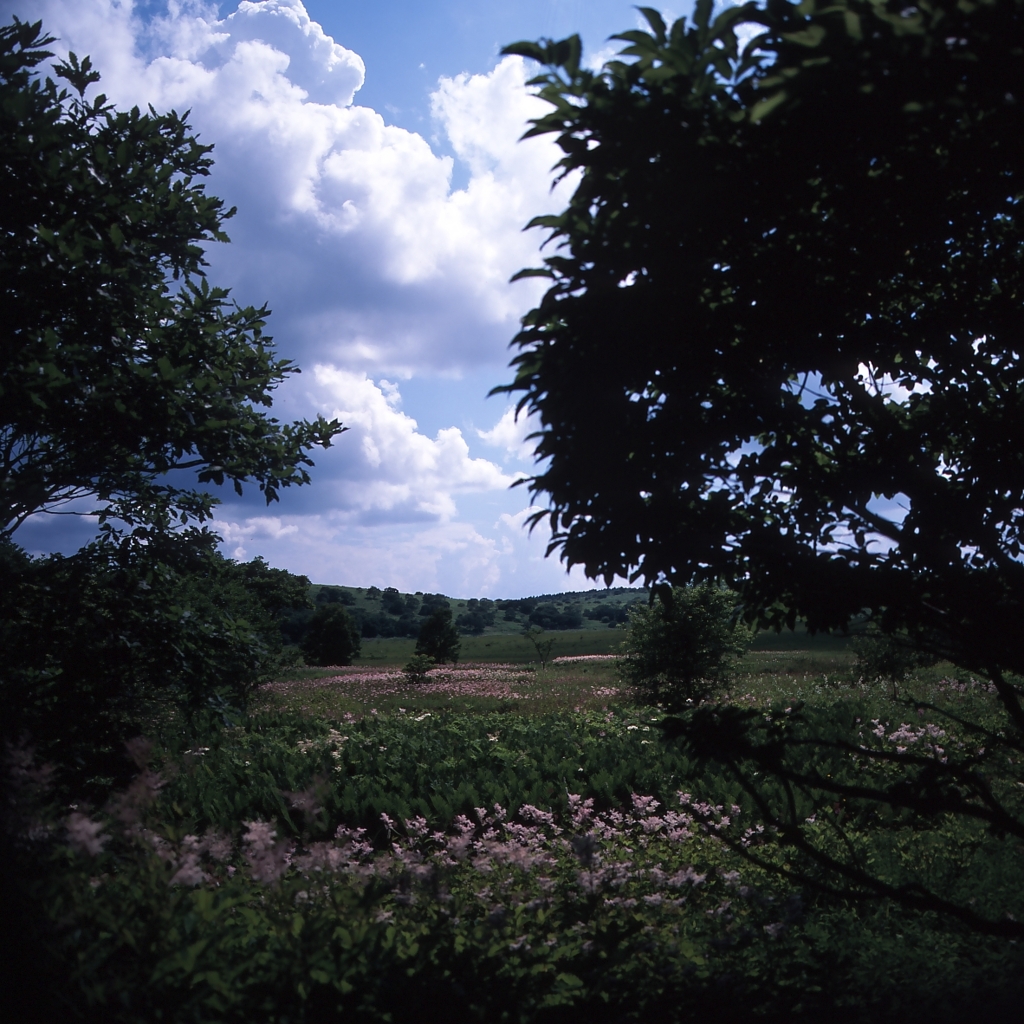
x=482, y=864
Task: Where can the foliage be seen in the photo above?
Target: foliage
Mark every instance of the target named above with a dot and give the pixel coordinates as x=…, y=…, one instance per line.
x=231, y=881
x=335, y=595
x=784, y=311
x=612, y=615
x=833, y=773
x=479, y=614
x=438, y=638
x=331, y=638
x=891, y=657
x=548, y=616
x=119, y=362
x=680, y=648
x=417, y=667
x=96, y=641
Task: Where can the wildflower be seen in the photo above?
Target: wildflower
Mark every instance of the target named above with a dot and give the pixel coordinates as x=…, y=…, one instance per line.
x=686, y=877
x=190, y=871
x=218, y=846
x=84, y=834
x=268, y=860
x=309, y=800
x=416, y=826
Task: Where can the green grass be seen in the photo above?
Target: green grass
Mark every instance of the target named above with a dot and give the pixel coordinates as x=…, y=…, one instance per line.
x=502, y=646
x=504, y=642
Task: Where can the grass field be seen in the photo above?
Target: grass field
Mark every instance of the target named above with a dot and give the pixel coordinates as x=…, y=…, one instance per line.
x=505, y=643
x=498, y=674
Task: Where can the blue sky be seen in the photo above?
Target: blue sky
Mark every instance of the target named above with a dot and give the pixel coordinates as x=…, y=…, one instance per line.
x=371, y=149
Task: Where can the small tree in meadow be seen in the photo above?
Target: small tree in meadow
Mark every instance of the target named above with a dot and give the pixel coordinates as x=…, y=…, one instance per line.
x=681, y=646
x=332, y=638
x=542, y=647
x=438, y=638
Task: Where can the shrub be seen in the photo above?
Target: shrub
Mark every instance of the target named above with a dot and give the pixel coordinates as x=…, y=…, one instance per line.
x=94, y=642
x=332, y=638
x=417, y=668
x=681, y=646
x=891, y=657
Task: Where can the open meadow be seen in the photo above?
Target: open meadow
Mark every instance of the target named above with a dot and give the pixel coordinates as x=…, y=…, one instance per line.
x=507, y=841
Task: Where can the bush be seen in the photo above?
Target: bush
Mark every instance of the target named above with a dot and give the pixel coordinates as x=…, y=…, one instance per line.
x=681, y=646
x=331, y=639
x=891, y=657
x=418, y=667
x=97, y=641
x=438, y=637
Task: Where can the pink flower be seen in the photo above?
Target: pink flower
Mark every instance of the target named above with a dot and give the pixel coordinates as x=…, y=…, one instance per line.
x=190, y=871
x=84, y=834
x=268, y=860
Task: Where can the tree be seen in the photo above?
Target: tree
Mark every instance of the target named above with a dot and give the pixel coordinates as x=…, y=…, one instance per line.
x=781, y=350
x=438, y=638
x=680, y=647
x=119, y=362
x=332, y=638
x=781, y=343
x=543, y=647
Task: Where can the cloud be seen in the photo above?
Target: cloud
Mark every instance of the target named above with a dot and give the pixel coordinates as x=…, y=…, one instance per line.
x=347, y=226
x=375, y=267
x=511, y=433
x=383, y=469
x=455, y=558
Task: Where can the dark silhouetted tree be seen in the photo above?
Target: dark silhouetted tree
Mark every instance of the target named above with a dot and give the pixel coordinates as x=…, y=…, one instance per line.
x=438, y=638
x=331, y=638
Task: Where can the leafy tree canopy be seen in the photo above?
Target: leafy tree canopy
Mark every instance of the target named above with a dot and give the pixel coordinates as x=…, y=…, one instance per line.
x=332, y=637
x=782, y=342
x=781, y=348
x=119, y=362
x=438, y=638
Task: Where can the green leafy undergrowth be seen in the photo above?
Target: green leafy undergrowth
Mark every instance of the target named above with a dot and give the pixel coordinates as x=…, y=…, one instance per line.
x=464, y=868
x=436, y=766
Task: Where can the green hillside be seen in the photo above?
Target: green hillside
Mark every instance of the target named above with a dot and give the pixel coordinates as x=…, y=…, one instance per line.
x=582, y=622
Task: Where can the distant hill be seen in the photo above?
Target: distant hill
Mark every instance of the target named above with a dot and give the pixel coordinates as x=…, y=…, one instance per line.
x=388, y=612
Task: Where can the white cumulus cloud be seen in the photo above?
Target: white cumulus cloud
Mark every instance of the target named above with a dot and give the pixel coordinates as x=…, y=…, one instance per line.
x=511, y=432
x=383, y=468
x=347, y=226
x=376, y=268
